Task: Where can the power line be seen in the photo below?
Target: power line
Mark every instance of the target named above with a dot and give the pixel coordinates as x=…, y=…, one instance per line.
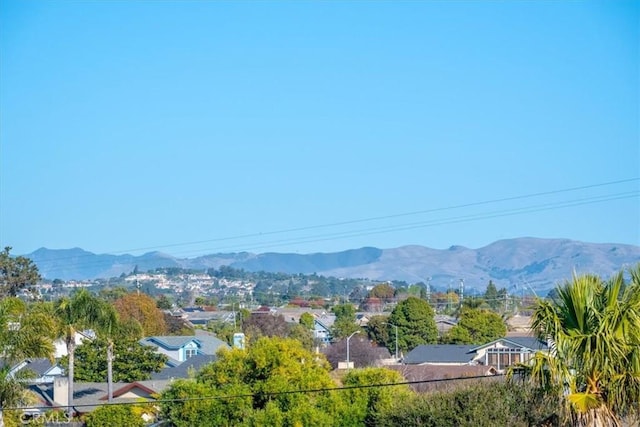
x=268, y=394
x=393, y=228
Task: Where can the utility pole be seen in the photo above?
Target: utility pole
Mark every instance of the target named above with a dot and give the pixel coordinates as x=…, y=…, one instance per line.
x=461, y=291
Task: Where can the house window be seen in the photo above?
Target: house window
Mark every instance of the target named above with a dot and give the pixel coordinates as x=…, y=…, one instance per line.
x=190, y=352
x=504, y=357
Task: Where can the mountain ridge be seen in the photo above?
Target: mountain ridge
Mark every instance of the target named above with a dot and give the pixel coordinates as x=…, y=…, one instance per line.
x=526, y=261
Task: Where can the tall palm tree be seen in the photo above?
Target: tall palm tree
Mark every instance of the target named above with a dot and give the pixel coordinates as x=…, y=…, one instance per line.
x=593, y=328
x=79, y=312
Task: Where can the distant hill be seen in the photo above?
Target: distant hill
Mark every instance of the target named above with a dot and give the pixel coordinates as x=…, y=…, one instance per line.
x=523, y=262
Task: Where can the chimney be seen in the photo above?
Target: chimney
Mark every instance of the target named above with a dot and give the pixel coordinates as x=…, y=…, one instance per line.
x=60, y=390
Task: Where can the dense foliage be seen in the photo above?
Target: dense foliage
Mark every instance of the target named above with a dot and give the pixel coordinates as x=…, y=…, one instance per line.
x=132, y=362
x=414, y=318
x=114, y=415
x=255, y=378
x=487, y=403
x=476, y=326
x=594, y=367
x=16, y=273
x=142, y=309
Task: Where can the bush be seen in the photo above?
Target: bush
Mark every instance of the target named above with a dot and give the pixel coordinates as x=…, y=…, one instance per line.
x=114, y=415
x=478, y=405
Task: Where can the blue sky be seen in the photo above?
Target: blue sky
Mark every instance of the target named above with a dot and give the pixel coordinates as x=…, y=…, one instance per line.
x=195, y=127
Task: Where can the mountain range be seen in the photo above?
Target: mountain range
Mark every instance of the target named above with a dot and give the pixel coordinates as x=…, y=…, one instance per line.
x=531, y=263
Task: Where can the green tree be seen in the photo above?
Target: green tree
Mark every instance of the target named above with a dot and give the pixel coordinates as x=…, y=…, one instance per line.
x=25, y=331
x=415, y=321
x=345, y=323
x=112, y=294
x=256, y=375
x=367, y=402
x=476, y=326
x=594, y=365
x=132, y=362
x=302, y=334
x=114, y=415
x=345, y=311
x=307, y=320
x=384, y=291
x=16, y=273
x=80, y=311
x=378, y=330
x=163, y=302
x=491, y=295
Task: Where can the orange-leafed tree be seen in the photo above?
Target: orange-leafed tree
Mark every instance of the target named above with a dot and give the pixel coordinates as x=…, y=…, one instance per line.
x=143, y=309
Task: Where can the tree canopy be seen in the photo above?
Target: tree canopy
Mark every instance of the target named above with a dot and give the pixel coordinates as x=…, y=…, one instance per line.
x=132, y=362
x=269, y=366
x=476, y=326
x=143, y=309
x=414, y=318
x=16, y=273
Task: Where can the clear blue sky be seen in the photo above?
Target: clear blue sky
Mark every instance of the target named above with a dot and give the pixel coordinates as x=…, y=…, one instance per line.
x=131, y=126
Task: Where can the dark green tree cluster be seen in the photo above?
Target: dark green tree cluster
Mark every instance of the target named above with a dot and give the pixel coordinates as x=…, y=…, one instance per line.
x=414, y=318
x=16, y=273
x=132, y=361
x=345, y=323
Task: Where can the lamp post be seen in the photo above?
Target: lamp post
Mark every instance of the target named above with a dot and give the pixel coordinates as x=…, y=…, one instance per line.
x=348, y=338
x=391, y=324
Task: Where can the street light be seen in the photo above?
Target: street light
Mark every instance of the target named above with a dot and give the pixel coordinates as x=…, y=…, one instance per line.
x=391, y=324
x=348, y=338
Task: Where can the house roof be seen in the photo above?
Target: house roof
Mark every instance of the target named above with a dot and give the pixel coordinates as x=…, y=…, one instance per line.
x=148, y=386
x=170, y=342
x=442, y=353
x=88, y=396
x=40, y=366
x=194, y=363
x=207, y=342
x=528, y=342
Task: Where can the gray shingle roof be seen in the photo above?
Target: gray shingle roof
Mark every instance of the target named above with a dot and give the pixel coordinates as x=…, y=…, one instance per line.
x=207, y=343
x=182, y=371
x=442, y=353
x=517, y=342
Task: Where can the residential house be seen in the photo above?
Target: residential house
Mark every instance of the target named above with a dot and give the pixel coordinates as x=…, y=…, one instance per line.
x=182, y=347
x=185, y=369
x=60, y=345
x=43, y=369
x=440, y=354
x=500, y=353
x=88, y=396
x=508, y=351
x=322, y=328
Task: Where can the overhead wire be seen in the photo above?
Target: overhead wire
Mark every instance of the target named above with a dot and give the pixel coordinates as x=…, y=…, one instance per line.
x=269, y=394
x=382, y=229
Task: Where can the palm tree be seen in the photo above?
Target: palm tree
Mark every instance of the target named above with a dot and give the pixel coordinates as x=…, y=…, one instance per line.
x=82, y=311
x=593, y=328
x=25, y=331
